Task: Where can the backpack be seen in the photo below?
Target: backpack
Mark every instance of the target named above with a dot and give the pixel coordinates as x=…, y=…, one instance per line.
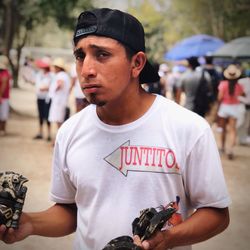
x=203, y=97
x=215, y=80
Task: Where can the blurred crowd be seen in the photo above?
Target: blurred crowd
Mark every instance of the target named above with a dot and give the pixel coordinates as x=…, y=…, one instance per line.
x=54, y=80
x=221, y=94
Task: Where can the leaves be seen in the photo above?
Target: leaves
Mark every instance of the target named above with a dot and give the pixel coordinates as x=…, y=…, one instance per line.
x=167, y=22
x=21, y=17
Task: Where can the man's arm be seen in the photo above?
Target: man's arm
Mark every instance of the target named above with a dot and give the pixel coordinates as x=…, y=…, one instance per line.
x=200, y=226
x=72, y=83
x=58, y=220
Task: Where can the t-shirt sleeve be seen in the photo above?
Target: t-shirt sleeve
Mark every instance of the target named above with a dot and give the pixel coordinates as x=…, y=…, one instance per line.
x=203, y=176
x=62, y=188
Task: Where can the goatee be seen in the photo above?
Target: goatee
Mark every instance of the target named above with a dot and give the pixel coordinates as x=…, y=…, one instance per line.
x=93, y=100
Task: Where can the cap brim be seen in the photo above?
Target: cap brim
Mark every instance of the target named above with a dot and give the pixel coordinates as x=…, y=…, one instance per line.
x=149, y=74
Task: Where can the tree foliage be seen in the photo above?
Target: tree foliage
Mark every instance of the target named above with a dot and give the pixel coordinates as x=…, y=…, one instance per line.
x=152, y=20
x=167, y=22
x=226, y=19
x=20, y=17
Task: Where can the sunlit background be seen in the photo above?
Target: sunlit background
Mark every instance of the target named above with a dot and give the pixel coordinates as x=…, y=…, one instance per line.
x=36, y=28
x=26, y=25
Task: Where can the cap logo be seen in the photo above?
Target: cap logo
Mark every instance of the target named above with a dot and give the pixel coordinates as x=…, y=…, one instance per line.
x=86, y=31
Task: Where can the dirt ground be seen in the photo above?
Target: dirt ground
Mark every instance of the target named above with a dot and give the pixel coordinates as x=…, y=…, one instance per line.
x=20, y=153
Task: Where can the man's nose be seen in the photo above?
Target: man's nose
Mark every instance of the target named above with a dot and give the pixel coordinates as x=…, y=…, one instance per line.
x=88, y=67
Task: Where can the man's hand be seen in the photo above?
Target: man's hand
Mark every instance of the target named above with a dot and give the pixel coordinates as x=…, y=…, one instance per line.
x=203, y=224
x=11, y=235
x=157, y=242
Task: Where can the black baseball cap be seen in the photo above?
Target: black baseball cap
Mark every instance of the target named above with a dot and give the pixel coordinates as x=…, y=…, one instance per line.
x=117, y=25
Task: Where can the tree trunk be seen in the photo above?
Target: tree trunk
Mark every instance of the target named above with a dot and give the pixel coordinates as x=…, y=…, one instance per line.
x=8, y=25
x=15, y=67
x=9, y=29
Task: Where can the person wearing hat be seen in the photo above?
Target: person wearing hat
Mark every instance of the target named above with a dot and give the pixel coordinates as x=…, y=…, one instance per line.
x=43, y=81
x=59, y=92
x=5, y=82
x=243, y=130
x=229, y=110
x=128, y=150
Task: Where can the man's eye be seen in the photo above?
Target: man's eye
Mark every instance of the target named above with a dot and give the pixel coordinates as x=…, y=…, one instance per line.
x=79, y=56
x=102, y=54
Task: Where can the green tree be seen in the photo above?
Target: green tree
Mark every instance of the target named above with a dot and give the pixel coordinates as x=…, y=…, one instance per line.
x=167, y=22
x=20, y=17
x=151, y=16
x=226, y=19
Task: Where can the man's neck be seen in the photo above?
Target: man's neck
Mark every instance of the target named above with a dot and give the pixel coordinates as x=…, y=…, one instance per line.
x=127, y=111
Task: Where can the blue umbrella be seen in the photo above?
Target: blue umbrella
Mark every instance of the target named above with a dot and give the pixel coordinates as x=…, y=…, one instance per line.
x=197, y=45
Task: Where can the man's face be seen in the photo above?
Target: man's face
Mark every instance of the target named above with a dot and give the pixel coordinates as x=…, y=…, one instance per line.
x=103, y=69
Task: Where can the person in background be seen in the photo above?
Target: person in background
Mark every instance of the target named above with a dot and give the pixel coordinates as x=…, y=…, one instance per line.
x=163, y=73
x=189, y=82
x=244, y=128
x=43, y=81
x=215, y=76
x=157, y=87
x=28, y=72
x=229, y=111
x=128, y=150
x=59, y=92
x=172, y=80
x=80, y=100
x=5, y=84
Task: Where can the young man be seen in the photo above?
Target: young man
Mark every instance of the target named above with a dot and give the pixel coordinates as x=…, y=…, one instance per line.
x=135, y=150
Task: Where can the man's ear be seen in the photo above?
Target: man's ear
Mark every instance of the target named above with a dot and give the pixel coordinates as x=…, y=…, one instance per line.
x=138, y=62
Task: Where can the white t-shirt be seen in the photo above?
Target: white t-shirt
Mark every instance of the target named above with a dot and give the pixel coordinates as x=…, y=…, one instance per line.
x=42, y=80
x=59, y=97
x=245, y=82
x=113, y=172
x=77, y=88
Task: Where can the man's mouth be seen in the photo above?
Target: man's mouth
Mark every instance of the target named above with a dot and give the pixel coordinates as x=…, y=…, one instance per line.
x=90, y=88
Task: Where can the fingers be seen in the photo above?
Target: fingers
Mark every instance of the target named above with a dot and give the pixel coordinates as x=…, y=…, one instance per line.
x=155, y=242
x=10, y=237
x=137, y=241
x=7, y=234
x=2, y=231
x=146, y=245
